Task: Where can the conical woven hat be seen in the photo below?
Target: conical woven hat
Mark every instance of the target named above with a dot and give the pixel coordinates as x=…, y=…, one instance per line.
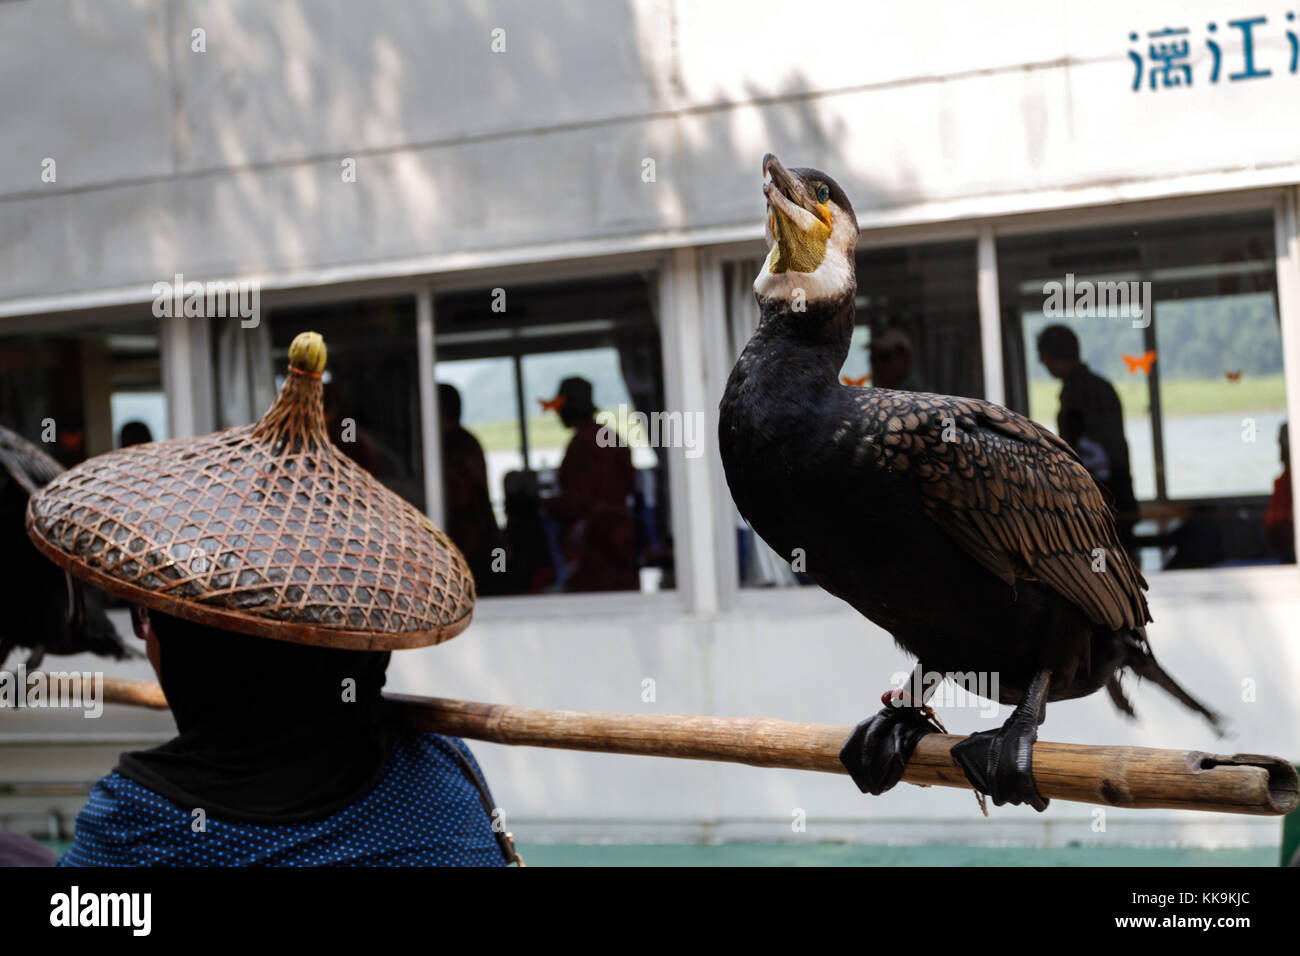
x=266, y=529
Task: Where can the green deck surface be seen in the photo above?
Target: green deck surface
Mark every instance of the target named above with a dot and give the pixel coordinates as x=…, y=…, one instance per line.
x=843, y=854
x=836, y=854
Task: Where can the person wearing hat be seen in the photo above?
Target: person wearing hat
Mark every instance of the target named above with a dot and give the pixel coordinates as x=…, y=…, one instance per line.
x=271, y=577
x=595, y=483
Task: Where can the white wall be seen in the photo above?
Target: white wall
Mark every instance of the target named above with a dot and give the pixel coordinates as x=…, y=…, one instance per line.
x=228, y=162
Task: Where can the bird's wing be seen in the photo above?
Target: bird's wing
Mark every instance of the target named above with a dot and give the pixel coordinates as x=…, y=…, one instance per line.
x=87, y=627
x=26, y=464
x=1014, y=496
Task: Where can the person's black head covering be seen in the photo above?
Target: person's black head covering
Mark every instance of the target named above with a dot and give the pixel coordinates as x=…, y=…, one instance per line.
x=134, y=433
x=268, y=730
x=1059, y=342
x=578, y=399
x=449, y=403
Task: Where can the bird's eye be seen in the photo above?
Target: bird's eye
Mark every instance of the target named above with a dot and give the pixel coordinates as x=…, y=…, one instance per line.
x=823, y=192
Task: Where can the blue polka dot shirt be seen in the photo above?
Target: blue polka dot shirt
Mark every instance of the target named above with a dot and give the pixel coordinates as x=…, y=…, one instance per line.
x=422, y=811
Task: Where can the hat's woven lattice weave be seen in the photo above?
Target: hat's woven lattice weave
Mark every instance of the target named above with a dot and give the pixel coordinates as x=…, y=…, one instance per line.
x=266, y=529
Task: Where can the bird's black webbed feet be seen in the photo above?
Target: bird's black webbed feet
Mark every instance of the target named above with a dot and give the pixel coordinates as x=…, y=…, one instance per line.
x=879, y=747
x=1000, y=762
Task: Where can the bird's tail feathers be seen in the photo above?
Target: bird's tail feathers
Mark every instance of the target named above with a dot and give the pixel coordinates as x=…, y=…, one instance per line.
x=1145, y=665
x=74, y=615
x=1116, y=694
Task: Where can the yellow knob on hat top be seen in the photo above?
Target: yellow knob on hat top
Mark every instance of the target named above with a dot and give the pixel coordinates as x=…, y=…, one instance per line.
x=307, y=353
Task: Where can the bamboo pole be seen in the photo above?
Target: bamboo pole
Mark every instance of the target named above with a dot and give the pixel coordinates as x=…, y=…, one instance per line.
x=137, y=693
x=1130, y=777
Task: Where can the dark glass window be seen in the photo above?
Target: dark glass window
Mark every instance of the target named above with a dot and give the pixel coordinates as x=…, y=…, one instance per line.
x=918, y=319
x=94, y=386
x=535, y=382
x=372, y=383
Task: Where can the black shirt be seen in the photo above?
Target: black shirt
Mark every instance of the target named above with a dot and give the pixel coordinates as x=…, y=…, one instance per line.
x=1098, y=406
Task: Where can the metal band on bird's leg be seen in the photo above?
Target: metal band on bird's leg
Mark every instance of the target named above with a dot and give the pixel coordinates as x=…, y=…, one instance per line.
x=929, y=682
x=1131, y=777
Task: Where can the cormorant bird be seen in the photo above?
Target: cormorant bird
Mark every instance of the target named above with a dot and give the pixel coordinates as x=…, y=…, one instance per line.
x=971, y=534
x=42, y=607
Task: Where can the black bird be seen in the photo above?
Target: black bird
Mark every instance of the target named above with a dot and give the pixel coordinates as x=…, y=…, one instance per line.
x=41, y=607
x=971, y=534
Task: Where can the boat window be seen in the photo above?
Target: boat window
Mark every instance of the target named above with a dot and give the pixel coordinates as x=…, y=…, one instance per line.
x=1176, y=395
x=555, y=437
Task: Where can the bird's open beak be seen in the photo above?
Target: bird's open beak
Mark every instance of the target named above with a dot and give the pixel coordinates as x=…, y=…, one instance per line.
x=796, y=222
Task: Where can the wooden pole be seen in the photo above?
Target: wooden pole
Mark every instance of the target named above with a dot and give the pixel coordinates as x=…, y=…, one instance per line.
x=1131, y=777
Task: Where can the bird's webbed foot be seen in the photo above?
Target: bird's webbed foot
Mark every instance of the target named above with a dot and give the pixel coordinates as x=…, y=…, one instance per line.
x=879, y=747
x=1000, y=762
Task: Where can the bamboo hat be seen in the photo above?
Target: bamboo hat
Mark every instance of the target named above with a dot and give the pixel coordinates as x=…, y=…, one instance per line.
x=265, y=529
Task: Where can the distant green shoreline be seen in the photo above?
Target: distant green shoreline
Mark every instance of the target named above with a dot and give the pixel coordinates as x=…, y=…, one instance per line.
x=1263, y=393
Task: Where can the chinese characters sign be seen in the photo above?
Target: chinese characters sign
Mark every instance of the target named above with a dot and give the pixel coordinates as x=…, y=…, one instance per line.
x=1166, y=61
